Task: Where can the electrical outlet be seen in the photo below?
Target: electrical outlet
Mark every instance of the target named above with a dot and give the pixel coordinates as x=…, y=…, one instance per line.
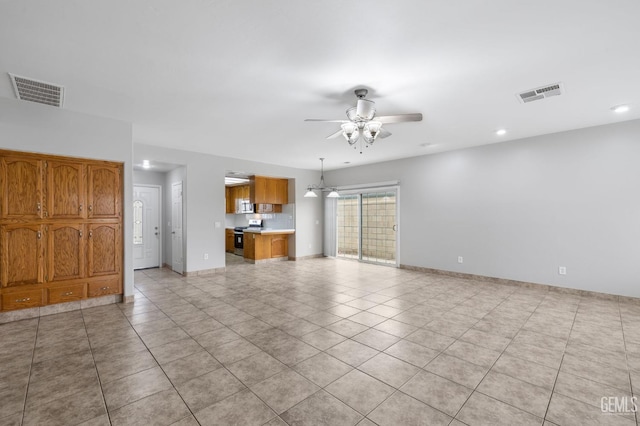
x=460, y=259
x=206, y=256
x=562, y=270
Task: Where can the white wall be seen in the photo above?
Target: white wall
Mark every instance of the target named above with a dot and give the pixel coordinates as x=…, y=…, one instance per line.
x=519, y=210
x=144, y=177
x=28, y=126
x=205, y=203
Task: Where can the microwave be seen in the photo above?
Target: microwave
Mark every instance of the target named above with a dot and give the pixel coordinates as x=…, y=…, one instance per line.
x=244, y=206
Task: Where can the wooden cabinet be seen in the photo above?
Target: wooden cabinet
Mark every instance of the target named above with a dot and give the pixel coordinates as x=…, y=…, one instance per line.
x=104, y=191
x=234, y=196
x=21, y=254
x=268, y=208
x=279, y=246
x=265, y=246
x=65, y=190
x=60, y=229
x=264, y=190
x=21, y=179
x=229, y=245
x=103, y=254
x=249, y=245
x=66, y=251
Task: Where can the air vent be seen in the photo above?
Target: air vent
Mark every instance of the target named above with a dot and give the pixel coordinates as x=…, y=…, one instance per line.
x=540, y=93
x=28, y=89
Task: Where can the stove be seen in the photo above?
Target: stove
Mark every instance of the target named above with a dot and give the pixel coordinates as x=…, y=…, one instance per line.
x=238, y=235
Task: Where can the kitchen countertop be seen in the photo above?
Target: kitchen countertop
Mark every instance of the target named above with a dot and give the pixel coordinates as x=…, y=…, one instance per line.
x=271, y=231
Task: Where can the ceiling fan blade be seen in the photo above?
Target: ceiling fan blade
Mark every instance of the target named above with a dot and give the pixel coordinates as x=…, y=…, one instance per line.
x=400, y=118
x=327, y=121
x=383, y=133
x=335, y=135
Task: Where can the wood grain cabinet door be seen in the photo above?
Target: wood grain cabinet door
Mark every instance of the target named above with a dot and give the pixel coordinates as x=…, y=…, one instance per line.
x=21, y=255
x=104, y=249
x=279, y=246
x=21, y=186
x=104, y=192
x=66, y=252
x=65, y=190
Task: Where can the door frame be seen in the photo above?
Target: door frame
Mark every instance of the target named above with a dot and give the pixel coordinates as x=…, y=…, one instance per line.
x=182, y=248
x=368, y=190
x=160, y=219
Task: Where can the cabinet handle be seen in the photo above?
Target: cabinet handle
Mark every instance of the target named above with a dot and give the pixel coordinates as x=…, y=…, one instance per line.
x=69, y=293
x=90, y=208
x=80, y=233
x=38, y=206
x=90, y=234
x=104, y=288
x=39, y=234
x=25, y=299
x=80, y=207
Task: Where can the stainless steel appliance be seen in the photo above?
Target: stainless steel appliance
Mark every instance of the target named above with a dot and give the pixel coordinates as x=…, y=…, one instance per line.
x=255, y=224
x=238, y=240
x=244, y=206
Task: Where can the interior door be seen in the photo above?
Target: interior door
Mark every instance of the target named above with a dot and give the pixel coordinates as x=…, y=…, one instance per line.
x=177, y=261
x=146, y=226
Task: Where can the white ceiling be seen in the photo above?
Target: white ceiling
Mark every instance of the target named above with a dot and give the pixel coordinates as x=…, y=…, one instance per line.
x=237, y=78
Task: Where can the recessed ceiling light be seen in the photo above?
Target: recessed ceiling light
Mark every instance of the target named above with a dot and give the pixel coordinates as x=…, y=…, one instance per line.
x=501, y=132
x=620, y=109
x=146, y=164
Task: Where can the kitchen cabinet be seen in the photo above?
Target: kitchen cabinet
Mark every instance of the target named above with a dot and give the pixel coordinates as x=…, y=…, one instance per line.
x=60, y=229
x=234, y=198
x=264, y=190
x=265, y=246
x=249, y=245
x=268, y=208
x=229, y=241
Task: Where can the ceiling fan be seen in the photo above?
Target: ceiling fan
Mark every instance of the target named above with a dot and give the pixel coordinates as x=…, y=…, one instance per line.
x=363, y=124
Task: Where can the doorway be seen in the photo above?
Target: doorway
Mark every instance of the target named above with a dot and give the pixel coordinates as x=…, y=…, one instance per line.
x=147, y=244
x=367, y=226
x=177, y=250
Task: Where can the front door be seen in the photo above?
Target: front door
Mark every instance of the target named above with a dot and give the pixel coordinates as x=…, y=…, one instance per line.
x=146, y=227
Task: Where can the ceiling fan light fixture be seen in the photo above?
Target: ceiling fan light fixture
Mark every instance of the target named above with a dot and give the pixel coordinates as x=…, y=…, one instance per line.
x=365, y=110
x=350, y=132
x=371, y=130
x=351, y=114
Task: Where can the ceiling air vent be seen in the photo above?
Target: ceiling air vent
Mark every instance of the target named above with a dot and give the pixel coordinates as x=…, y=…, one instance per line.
x=540, y=93
x=28, y=89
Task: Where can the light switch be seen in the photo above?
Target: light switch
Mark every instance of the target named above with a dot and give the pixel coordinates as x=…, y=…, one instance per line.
x=218, y=224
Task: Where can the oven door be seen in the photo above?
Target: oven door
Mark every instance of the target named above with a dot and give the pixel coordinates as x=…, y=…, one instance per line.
x=238, y=240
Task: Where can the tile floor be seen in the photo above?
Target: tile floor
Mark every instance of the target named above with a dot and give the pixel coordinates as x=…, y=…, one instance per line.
x=323, y=341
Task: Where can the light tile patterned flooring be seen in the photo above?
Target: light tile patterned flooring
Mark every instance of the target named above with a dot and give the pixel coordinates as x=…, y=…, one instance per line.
x=323, y=341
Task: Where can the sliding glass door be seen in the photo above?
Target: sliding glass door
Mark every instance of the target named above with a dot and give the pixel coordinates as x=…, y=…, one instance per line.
x=367, y=226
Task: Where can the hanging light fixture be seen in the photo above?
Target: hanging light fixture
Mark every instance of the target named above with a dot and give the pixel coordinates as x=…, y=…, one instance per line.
x=311, y=189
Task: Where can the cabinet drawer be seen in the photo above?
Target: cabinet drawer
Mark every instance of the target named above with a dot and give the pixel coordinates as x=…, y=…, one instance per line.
x=104, y=287
x=67, y=293
x=21, y=300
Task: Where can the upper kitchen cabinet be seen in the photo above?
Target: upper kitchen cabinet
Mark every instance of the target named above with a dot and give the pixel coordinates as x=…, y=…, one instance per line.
x=66, y=191
x=104, y=191
x=264, y=190
x=21, y=185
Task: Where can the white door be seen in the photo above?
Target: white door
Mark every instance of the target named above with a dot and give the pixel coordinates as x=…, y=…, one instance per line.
x=146, y=223
x=177, y=261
